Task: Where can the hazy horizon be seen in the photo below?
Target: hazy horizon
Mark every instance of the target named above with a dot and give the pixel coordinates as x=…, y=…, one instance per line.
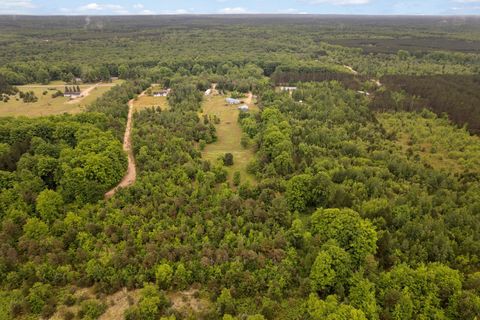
x=219, y=7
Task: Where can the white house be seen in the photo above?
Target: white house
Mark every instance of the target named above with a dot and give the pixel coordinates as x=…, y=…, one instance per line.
x=72, y=95
x=288, y=88
x=232, y=101
x=162, y=93
x=243, y=108
x=208, y=92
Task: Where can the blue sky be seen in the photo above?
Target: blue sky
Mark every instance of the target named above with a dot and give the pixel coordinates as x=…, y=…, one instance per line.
x=116, y=7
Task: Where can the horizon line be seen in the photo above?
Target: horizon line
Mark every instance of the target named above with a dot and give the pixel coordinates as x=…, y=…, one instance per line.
x=242, y=14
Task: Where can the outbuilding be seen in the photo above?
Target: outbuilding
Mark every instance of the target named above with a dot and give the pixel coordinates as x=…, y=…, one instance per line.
x=162, y=93
x=289, y=89
x=232, y=101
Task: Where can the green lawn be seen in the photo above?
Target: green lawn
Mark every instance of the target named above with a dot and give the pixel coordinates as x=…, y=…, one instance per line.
x=229, y=135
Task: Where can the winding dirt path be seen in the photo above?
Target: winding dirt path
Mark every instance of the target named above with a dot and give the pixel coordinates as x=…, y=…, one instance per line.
x=131, y=174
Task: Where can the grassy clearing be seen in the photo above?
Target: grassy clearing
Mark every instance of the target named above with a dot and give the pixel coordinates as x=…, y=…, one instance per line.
x=145, y=101
x=116, y=303
x=229, y=135
x=435, y=140
x=46, y=105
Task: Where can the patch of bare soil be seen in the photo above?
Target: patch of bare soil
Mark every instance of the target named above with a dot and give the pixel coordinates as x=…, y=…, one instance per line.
x=188, y=302
x=117, y=303
x=249, y=99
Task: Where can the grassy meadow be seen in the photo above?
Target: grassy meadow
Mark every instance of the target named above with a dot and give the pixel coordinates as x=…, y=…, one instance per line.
x=46, y=104
x=229, y=135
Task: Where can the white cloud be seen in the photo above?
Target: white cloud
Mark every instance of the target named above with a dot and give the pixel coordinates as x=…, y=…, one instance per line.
x=15, y=4
x=339, y=2
x=138, y=6
x=147, y=12
x=104, y=8
x=236, y=10
x=291, y=11
x=178, y=11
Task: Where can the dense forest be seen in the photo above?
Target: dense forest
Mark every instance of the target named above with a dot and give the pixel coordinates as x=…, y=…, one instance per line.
x=361, y=199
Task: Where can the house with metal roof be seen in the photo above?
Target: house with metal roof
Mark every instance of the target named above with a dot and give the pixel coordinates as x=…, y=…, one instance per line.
x=232, y=101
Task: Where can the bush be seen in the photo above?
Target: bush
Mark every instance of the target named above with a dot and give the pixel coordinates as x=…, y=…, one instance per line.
x=202, y=144
x=236, y=179
x=58, y=93
x=228, y=159
x=92, y=309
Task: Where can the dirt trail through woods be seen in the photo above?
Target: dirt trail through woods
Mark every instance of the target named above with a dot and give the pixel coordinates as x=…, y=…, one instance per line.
x=131, y=174
x=249, y=99
x=351, y=69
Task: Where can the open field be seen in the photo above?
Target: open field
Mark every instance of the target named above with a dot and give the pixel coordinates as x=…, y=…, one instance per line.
x=229, y=135
x=46, y=105
x=145, y=101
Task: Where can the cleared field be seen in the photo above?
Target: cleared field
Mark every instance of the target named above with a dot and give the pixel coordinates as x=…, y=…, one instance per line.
x=47, y=105
x=145, y=101
x=229, y=135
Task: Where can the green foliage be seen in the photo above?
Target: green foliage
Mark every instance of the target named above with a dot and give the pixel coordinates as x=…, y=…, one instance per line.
x=352, y=233
x=332, y=268
x=164, y=275
x=225, y=303
x=92, y=309
x=331, y=309
x=151, y=305
x=397, y=230
x=362, y=296
x=49, y=205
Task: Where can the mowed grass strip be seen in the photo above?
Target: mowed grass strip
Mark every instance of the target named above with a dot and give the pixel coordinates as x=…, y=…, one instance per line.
x=229, y=135
x=46, y=105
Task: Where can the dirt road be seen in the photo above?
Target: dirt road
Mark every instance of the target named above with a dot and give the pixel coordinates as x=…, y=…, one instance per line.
x=249, y=99
x=131, y=174
x=351, y=69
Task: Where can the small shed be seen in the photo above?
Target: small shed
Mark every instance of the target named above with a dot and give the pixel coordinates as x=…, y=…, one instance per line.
x=232, y=101
x=162, y=93
x=208, y=92
x=243, y=108
x=289, y=89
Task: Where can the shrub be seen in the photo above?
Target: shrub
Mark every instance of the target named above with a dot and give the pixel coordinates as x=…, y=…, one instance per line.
x=228, y=159
x=92, y=309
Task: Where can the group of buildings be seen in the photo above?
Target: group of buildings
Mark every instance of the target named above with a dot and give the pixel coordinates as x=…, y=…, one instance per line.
x=232, y=101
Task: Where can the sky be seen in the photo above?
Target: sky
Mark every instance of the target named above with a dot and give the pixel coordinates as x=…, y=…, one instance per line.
x=143, y=7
